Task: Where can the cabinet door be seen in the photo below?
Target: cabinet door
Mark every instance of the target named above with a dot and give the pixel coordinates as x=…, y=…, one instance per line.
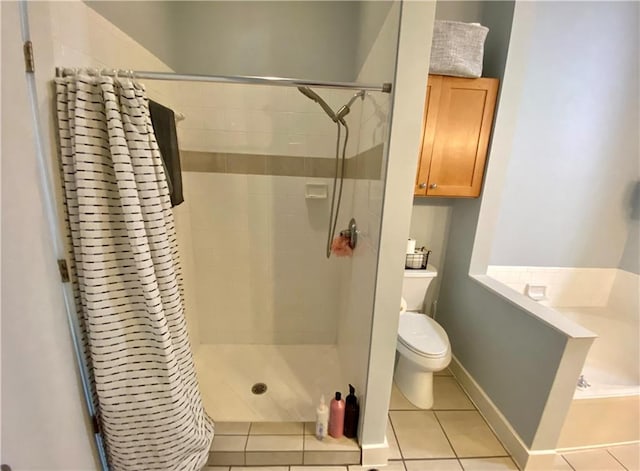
x=434, y=85
x=463, y=126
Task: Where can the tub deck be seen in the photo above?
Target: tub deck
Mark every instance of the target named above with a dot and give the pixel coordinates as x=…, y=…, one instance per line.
x=613, y=364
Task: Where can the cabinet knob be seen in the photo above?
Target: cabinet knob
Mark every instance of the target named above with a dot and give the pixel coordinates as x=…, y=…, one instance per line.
x=433, y=186
x=423, y=185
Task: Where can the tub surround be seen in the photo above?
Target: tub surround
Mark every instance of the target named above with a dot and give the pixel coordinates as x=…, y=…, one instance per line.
x=601, y=300
x=565, y=286
x=604, y=301
x=600, y=422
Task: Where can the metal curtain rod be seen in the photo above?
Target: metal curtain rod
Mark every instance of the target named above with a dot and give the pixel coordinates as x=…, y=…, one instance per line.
x=277, y=81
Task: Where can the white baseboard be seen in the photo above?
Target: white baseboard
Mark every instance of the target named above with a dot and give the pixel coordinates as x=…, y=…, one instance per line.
x=375, y=455
x=525, y=458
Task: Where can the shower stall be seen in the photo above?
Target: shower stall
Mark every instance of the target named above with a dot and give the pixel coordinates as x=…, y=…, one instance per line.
x=273, y=322
x=273, y=319
x=273, y=170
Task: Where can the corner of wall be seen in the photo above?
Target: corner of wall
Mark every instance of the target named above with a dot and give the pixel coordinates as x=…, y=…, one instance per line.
x=414, y=43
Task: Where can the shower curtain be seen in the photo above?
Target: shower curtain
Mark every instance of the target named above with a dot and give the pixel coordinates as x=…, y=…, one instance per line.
x=127, y=277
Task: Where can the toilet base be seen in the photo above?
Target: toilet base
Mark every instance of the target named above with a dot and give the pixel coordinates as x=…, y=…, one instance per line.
x=414, y=382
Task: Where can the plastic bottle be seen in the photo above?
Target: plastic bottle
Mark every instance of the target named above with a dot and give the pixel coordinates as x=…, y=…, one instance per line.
x=322, y=419
x=351, y=414
x=336, y=416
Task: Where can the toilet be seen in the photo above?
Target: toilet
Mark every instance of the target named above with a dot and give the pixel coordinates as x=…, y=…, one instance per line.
x=423, y=346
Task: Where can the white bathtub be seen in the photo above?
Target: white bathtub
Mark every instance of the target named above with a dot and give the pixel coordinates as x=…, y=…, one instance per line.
x=612, y=367
x=605, y=301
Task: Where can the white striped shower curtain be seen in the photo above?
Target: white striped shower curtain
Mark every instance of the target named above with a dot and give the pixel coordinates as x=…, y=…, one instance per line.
x=127, y=277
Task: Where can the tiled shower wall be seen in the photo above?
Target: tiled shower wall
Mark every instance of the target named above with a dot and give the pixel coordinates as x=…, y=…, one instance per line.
x=257, y=244
x=258, y=119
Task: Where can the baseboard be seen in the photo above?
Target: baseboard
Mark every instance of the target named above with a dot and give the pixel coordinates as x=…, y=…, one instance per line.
x=375, y=455
x=525, y=458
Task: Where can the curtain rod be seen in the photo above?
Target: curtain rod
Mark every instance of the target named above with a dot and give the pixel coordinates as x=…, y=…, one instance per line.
x=277, y=81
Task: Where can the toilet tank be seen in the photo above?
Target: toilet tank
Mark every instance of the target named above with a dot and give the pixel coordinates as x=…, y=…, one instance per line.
x=415, y=285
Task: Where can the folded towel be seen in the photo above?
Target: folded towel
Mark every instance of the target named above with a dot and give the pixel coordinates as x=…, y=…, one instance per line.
x=164, y=127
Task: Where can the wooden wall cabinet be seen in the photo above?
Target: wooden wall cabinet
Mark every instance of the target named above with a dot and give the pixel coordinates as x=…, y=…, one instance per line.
x=458, y=116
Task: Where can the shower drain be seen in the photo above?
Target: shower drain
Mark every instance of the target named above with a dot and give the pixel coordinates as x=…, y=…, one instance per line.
x=259, y=388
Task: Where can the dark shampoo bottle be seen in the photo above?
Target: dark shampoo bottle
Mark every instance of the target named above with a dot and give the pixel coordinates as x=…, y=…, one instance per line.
x=351, y=414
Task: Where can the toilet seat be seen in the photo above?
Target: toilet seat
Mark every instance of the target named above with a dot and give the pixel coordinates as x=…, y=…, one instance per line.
x=422, y=335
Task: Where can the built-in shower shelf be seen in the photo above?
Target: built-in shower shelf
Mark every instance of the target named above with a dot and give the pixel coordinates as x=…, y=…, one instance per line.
x=278, y=444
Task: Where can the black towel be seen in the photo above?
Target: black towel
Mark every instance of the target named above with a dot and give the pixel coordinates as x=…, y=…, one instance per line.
x=164, y=127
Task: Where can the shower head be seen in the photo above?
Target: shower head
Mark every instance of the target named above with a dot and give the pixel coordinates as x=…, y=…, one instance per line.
x=306, y=91
x=346, y=109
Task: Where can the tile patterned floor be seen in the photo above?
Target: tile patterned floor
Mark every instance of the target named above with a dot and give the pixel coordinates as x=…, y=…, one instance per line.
x=452, y=436
x=623, y=457
x=240, y=444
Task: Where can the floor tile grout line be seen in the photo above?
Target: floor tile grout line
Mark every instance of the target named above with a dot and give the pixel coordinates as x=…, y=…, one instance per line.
x=567, y=461
x=495, y=435
x=454, y=458
x=483, y=457
x=616, y=458
x=464, y=391
x=246, y=443
x=445, y=435
x=395, y=435
x=432, y=410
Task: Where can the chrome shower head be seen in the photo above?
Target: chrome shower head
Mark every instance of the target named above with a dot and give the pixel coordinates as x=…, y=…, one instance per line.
x=346, y=109
x=306, y=91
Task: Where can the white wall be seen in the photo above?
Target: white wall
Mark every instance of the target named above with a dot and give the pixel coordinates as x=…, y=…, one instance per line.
x=416, y=25
x=44, y=422
x=575, y=166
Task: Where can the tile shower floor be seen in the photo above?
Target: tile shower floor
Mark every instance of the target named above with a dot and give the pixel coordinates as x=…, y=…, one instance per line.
x=450, y=437
x=295, y=375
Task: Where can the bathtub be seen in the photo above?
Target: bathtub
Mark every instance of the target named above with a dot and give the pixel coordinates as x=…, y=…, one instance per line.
x=605, y=301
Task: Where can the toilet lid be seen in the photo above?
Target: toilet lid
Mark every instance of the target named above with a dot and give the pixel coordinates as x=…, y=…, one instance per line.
x=421, y=334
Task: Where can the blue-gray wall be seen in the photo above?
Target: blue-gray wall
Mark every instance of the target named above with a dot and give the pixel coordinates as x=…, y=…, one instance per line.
x=630, y=260
x=568, y=199
x=319, y=40
x=512, y=355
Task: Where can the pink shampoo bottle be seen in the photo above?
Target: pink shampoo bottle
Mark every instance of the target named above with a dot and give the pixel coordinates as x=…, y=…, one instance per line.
x=336, y=416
